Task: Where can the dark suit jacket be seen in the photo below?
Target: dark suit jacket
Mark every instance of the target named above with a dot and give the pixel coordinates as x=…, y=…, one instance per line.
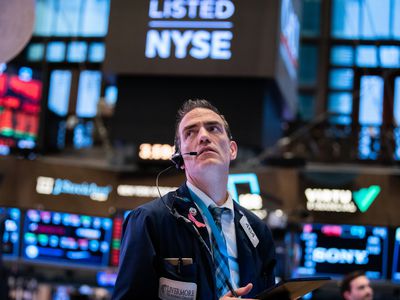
x=151, y=233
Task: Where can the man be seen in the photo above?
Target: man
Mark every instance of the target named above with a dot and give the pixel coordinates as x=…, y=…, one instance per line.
x=196, y=242
x=356, y=286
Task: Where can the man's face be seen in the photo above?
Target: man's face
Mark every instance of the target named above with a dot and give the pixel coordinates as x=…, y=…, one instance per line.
x=203, y=131
x=360, y=289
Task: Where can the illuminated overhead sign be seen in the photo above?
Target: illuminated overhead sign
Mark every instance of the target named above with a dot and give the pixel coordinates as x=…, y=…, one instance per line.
x=197, y=28
x=125, y=190
x=341, y=200
x=57, y=186
x=290, y=37
x=156, y=151
x=252, y=200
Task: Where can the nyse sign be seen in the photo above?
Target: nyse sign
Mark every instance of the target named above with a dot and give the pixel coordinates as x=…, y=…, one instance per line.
x=190, y=28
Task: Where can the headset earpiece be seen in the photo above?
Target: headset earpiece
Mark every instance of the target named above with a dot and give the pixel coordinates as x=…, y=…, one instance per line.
x=177, y=160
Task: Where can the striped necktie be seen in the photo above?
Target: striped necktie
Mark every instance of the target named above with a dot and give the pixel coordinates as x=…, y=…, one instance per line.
x=220, y=261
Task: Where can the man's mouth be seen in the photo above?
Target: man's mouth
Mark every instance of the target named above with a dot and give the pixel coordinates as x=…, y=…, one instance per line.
x=205, y=150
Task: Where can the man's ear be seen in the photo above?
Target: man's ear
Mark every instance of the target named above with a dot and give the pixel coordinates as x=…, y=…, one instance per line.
x=346, y=295
x=233, y=149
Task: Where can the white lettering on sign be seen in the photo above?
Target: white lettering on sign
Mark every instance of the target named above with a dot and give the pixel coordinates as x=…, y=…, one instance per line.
x=195, y=28
x=51, y=186
x=334, y=200
x=340, y=256
x=143, y=190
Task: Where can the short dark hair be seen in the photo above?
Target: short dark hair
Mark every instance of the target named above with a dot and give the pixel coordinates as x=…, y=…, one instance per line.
x=346, y=282
x=188, y=106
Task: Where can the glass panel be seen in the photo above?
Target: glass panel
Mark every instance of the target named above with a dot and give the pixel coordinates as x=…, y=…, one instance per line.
x=111, y=95
x=341, y=78
x=60, y=85
x=396, y=114
x=95, y=18
x=55, y=51
x=396, y=19
x=396, y=105
x=88, y=93
x=371, y=100
x=369, y=143
x=342, y=55
x=345, y=19
x=35, y=52
x=77, y=52
x=67, y=22
x=44, y=17
x=310, y=24
x=366, y=56
x=375, y=19
x=306, y=107
x=390, y=56
x=308, y=64
x=83, y=134
x=97, y=52
x=340, y=103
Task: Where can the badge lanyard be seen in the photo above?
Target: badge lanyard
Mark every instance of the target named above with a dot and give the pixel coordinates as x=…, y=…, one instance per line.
x=214, y=229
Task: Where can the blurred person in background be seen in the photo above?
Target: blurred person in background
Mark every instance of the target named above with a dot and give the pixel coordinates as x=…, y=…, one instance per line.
x=356, y=286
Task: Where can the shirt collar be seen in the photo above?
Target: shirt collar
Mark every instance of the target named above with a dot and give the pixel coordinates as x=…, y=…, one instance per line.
x=207, y=200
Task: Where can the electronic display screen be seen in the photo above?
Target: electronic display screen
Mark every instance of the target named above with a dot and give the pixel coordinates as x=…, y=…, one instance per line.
x=58, y=237
x=20, y=98
x=396, y=257
x=11, y=238
x=89, y=89
x=335, y=250
x=221, y=37
x=119, y=219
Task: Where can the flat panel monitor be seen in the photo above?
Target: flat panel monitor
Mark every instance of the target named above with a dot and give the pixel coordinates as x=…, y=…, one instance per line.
x=10, y=243
x=65, y=238
x=335, y=250
x=396, y=257
x=118, y=221
x=20, y=106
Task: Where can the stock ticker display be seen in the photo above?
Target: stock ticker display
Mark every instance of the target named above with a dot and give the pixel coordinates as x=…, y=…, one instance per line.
x=61, y=238
x=20, y=100
x=334, y=250
x=11, y=232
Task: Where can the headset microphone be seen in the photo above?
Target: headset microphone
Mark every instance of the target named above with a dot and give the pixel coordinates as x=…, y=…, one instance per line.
x=177, y=158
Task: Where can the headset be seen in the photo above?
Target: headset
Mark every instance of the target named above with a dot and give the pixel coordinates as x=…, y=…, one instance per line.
x=177, y=158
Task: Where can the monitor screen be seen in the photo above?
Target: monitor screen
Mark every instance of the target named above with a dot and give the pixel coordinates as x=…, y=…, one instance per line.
x=396, y=257
x=335, y=250
x=65, y=238
x=119, y=219
x=10, y=243
x=20, y=97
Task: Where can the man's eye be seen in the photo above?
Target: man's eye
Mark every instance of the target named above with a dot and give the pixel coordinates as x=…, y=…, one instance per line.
x=188, y=133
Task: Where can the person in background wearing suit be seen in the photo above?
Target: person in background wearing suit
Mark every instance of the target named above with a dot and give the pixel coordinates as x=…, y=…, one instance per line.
x=196, y=242
x=356, y=286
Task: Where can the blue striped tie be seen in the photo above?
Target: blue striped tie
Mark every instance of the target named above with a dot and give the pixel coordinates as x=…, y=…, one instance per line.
x=220, y=261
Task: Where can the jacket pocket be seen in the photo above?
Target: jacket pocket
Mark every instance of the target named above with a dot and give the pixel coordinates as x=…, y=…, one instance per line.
x=179, y=271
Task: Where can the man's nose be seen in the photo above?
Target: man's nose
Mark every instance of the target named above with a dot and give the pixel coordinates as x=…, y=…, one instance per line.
x=204, y=135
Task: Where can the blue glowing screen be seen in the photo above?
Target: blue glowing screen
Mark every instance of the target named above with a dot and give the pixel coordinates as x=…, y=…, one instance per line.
x=57, y=237
x=396, y=257
x=335, y=250
x=11, y=232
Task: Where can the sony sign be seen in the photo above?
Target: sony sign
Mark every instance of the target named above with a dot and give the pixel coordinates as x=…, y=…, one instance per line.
x=190, y=28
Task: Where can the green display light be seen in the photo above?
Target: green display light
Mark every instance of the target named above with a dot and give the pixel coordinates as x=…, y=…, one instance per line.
x=366, y=196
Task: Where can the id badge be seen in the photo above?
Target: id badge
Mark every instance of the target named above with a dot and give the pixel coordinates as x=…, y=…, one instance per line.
x=176, y=290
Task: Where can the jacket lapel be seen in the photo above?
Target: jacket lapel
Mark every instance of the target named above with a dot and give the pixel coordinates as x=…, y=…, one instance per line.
x=245, y=251
x=186, y=207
